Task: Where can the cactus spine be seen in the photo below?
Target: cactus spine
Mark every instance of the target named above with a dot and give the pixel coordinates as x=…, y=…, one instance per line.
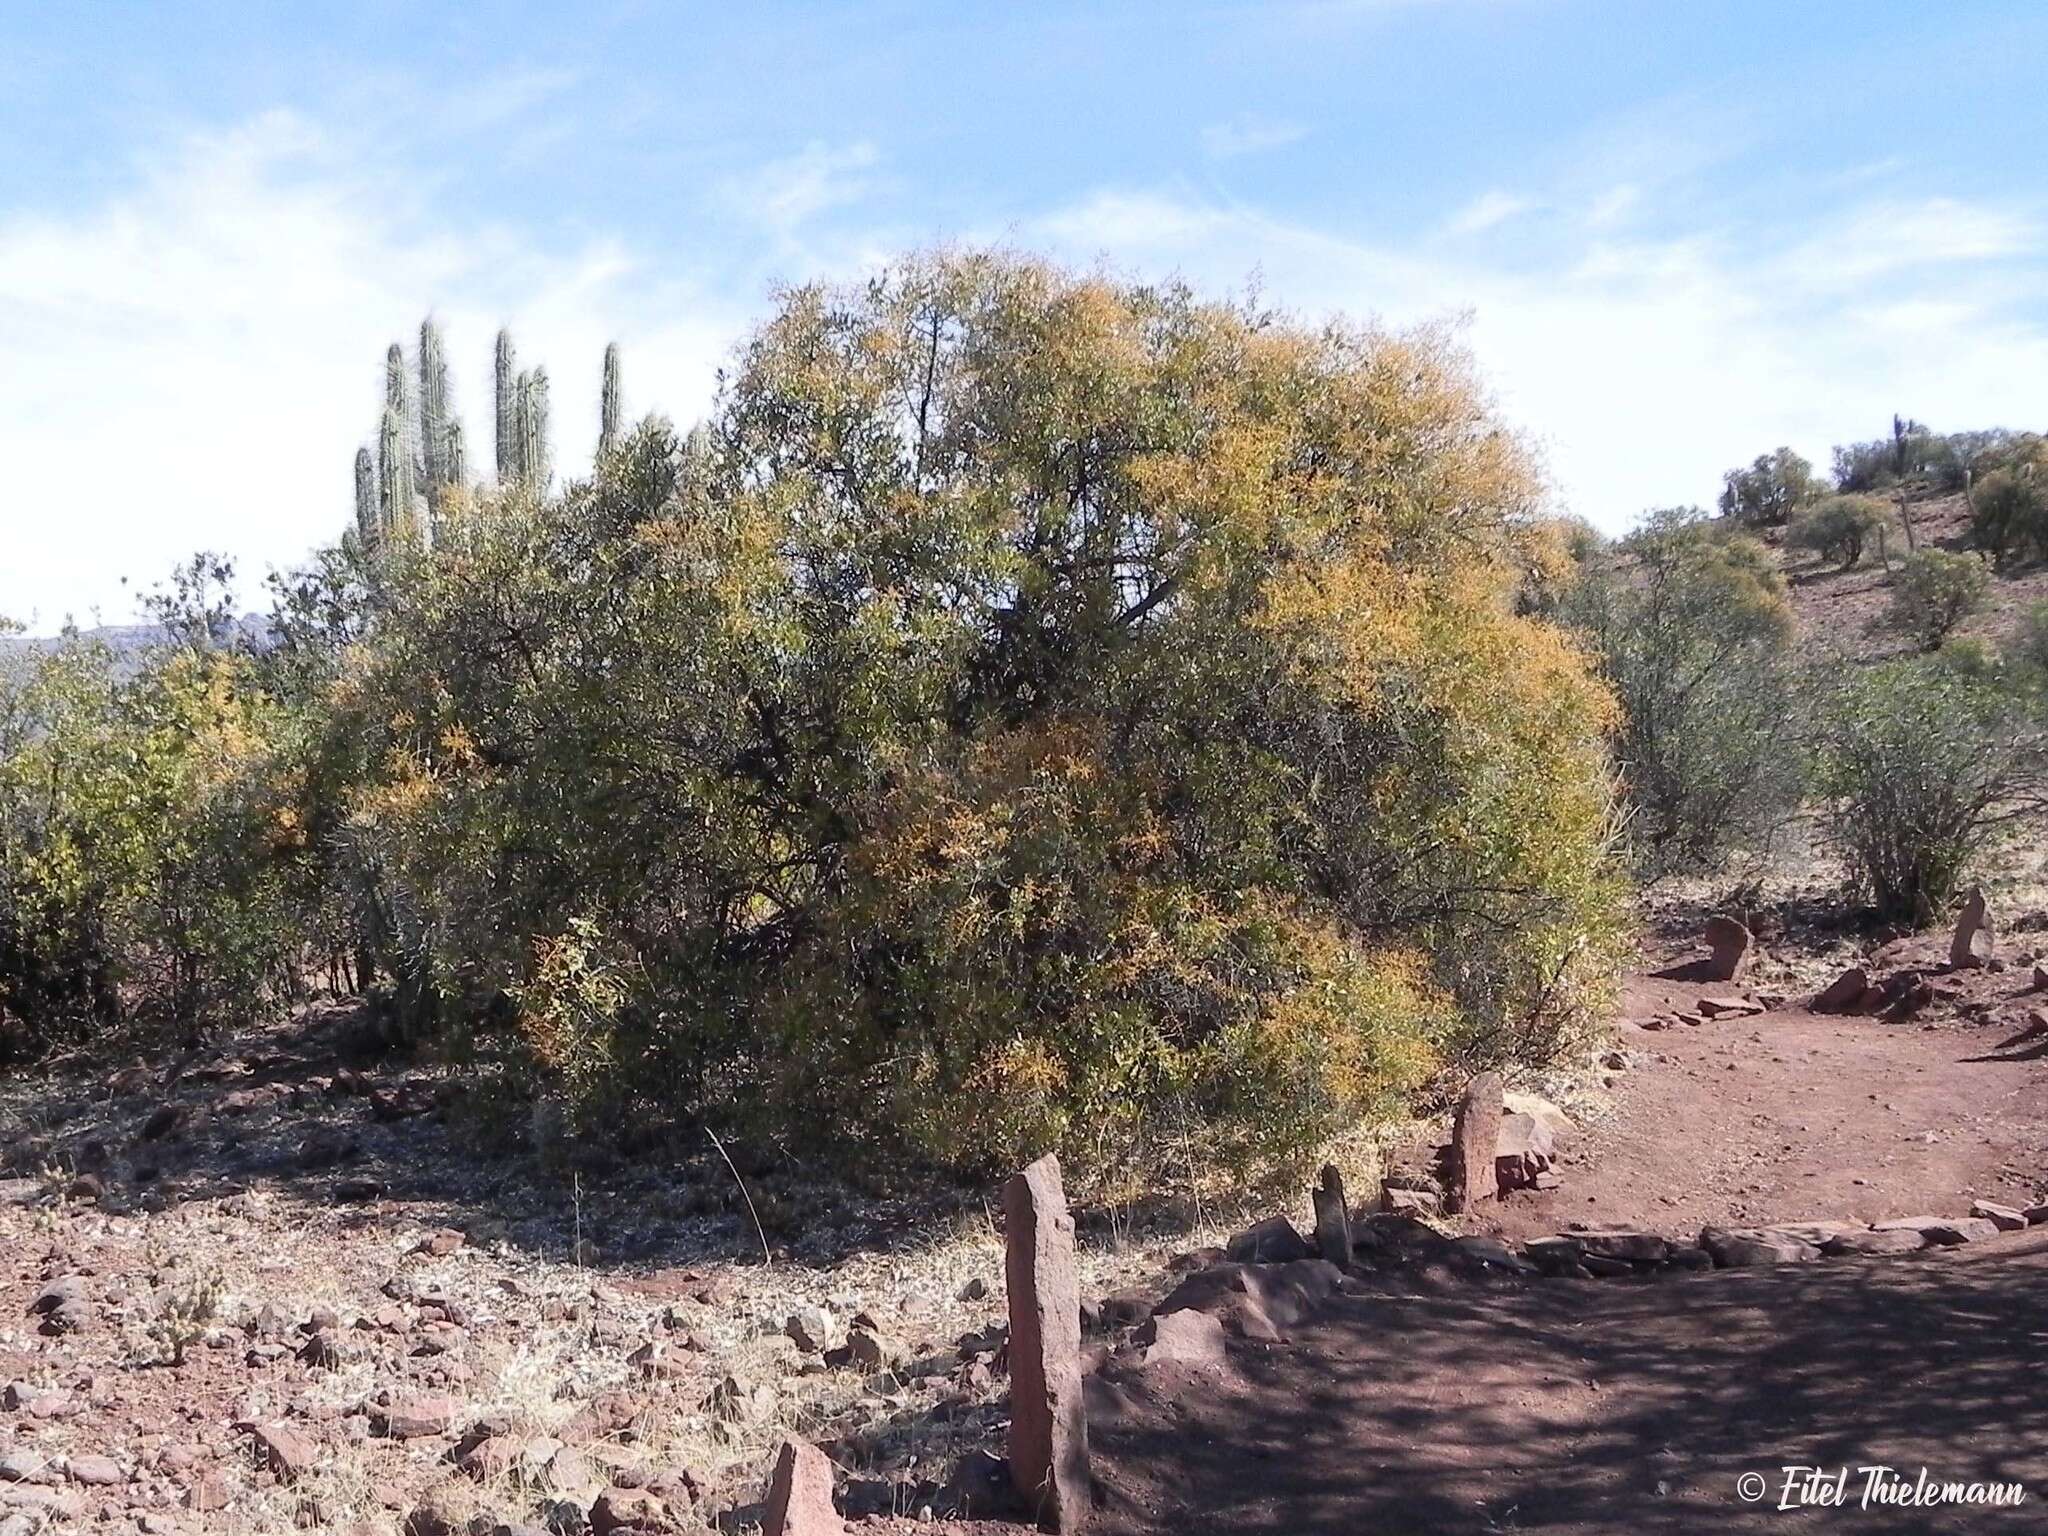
x=608, y=406
x=508, y=383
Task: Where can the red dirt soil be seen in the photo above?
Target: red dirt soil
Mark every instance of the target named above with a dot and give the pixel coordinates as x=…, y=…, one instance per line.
x=1429, y=1405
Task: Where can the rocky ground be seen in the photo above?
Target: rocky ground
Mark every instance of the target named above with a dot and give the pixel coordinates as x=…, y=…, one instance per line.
x=259, y=1286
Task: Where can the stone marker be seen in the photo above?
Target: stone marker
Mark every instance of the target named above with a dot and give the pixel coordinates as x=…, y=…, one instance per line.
x=800, y=1495
x=1474, y=1138
x=1333, y=1218
x=1972, y=920
x=1048, y=1430
x=1731, y=945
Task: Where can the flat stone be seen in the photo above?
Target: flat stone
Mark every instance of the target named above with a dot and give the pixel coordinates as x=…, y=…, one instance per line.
x=1185, y=1337
x=1943, y=1231
x=1723, y=1007
x=2003, y=1217
x=1869, y=1243
x=800, y=1494
x=286, y=1451
x=1818, y=1233
x=1048, y=1438
x=1629, y=1246
x=95, y=1471
x=1400, y=1200
x=1744, y=1247
x=415, y=1418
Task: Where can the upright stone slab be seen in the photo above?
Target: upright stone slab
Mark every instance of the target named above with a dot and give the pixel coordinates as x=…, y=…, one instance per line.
x=800, y=1494
x=1474, y=1139
x=1972, y=920
x=1333, y=1218
x=1731, y=945
x=1048, y=1431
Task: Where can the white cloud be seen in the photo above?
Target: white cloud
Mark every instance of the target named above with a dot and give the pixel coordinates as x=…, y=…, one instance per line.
x=1248, y=136
x=1487, y=210
x=193, y=364
x=1640, y=369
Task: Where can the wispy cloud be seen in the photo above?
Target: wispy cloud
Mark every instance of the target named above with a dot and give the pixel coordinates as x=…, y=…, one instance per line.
x=787, y=193
x=1488, y=210
x=1249, y=136
x=1889, y=236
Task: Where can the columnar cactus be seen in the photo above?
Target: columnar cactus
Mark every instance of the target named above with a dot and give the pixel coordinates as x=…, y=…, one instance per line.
x=454, y=456
x=508, y=383
x=395, y=467
x=532, y=437
x=608, y=409
x=366, y=500
x=434, y=411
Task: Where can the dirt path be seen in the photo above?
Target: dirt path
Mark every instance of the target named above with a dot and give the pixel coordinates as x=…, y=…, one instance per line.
x=1635, y=1406
x=1793, y=1115
x=1570, y=1407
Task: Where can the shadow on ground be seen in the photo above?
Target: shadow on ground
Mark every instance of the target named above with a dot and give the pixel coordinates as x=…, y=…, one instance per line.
x=1566, y=1406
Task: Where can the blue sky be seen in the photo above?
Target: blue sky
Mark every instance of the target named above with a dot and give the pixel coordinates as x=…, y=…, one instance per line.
x=1678, y=234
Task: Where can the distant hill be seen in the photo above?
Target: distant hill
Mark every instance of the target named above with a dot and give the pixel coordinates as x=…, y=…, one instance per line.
x=128, y=642
x=1840, y=613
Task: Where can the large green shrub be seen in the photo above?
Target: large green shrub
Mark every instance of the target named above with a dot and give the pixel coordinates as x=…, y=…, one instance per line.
x=1036, y=712
x=2009, y=515
x=1934, y=592
x=1690, y=624
x=1923, y=764
x=1770, y=490
x=1839, y=527
x=140, y=843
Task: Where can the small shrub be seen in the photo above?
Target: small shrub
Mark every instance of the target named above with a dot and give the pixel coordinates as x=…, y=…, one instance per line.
x=2009, y=515
x=184, y=1312
x=1840, y=527
x=1922, y=766
x=1933, y=593
x=2029, y=648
